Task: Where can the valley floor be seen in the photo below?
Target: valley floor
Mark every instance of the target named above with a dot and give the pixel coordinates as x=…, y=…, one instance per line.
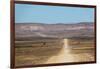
x=72, y=50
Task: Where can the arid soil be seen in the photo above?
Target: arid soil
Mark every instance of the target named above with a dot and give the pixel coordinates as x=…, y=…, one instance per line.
x=70, y=50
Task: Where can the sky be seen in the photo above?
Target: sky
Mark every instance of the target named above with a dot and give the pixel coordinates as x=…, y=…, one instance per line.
x=26, y=13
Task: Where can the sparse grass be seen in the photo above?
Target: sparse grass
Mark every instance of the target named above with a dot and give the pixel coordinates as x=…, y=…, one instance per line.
x=36, y=52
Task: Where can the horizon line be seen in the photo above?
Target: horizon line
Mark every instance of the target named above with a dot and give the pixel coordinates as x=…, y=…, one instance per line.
x=53, y=23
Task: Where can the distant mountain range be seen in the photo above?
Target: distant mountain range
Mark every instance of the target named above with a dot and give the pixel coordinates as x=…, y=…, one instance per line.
x=83, y=29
